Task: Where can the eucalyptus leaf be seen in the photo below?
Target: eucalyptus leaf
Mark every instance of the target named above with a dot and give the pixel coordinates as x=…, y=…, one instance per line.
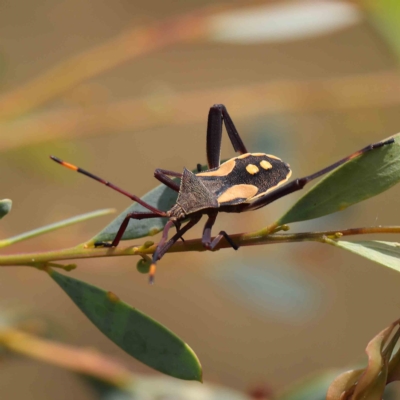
x=5, y=207
x=160, y=197
x=384, y=253
x=356, y=180
x=140, y=336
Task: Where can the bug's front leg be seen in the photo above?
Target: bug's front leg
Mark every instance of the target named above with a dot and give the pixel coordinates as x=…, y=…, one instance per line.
x=206, y=239
x=135, y=215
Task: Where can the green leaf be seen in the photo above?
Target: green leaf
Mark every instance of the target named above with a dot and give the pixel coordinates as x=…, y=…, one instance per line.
x=356, y=180
x=385, y=16
x=5, y=207
x=160, y=197
x=385, y=253
x=136, y=333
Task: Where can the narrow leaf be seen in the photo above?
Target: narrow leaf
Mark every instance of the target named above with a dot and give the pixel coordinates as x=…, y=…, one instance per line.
x=368, y=383
x=384, y=253
x=5, y=207
x=87, y=361
x=57, y=225
x=282, y=22
x=136, y=333
x=356, y=180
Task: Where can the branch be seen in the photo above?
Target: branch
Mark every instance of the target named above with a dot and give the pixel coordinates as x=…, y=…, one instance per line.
x=41, y=259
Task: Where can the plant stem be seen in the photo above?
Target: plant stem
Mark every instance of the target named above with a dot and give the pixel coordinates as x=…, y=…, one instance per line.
x=242, y=239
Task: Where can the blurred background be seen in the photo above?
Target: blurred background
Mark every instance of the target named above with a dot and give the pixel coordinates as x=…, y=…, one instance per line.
x=109, y=86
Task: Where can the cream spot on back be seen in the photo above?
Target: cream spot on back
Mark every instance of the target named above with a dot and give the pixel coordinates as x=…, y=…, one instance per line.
x=244, y=156
x=223, y=170
x=238, y=192
x=265, y=164
x=252, y=169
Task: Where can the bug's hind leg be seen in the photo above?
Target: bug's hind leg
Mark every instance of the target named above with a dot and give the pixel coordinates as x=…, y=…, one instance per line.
x=124, y=225
x=206, y=239
x=216, y=117
x=299, y=183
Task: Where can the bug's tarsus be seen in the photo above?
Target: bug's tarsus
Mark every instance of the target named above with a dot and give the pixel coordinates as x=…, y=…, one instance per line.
x=206, y=238
x=199, y=168
x=102, y=244
x=134, y=215
x=218, y=238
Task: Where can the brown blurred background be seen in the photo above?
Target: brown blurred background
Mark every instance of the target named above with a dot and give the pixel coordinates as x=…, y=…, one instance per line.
x=262, y=315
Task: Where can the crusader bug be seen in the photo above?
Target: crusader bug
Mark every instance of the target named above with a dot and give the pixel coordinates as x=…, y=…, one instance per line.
x=243, y=183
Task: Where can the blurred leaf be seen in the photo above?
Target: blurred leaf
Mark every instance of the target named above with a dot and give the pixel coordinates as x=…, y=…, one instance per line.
x=368, y=384
x=384, y=253
x=385, y=16
x=310, y=388
x=283, y=22
x=161, y=197
x=356, y=180
x=85, y=361
x=160, y=388
x=5, y=207
x=136, y=333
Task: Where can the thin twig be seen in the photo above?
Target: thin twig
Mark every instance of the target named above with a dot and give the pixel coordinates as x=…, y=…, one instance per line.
x=242, y=239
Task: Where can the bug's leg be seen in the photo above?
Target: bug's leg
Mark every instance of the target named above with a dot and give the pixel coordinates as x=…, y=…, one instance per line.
x=199, y=169
x=206, y=239
x=218, y=238
x=124, y=225
x=164, y=176
x=164, y=246
x=218, y=114
x=299, y=183
x=109, y=184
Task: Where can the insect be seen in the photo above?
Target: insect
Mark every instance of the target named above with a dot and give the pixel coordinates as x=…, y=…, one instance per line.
x=243, y=183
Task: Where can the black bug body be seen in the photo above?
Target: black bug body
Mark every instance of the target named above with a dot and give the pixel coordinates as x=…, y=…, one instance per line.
x=239, y=180
x=243, y=183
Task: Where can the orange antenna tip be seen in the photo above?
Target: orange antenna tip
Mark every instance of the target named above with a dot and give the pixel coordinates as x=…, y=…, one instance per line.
x=65, y=164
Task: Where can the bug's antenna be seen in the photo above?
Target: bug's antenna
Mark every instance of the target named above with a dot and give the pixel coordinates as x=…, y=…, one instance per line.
x=109, y=184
